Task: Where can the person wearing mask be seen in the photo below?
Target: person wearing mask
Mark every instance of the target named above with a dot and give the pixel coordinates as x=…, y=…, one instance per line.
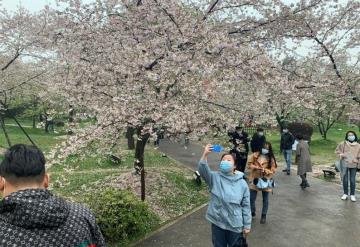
x=262, y=165
x=30, y=215
x=229, y=207
x=240, y=141
x=303, y=160
x=349, y=153
x=257, y=140
x=286, y=143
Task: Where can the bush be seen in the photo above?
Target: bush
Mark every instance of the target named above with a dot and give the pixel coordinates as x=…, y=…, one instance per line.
x=121, y=216
x=304, y=129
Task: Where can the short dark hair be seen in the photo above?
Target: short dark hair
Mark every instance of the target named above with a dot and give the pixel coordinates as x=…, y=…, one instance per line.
x=23, y=163
x=299, y=136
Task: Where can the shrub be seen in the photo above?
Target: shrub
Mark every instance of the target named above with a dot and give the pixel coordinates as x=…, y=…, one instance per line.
x=304, y=129
x=121, y=216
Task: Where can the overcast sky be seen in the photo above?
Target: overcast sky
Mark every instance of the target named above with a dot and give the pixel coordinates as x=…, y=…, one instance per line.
x=36, y=5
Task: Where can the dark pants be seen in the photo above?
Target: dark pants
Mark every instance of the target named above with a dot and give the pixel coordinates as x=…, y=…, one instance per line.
x=265, y=195
x=303, y=178
x=225, y=238
x=241, y=160
x=352, y=173
x=241, y=164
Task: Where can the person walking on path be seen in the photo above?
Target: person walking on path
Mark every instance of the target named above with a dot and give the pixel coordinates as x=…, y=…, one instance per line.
x=349, y=153
x=262, y=166
x=258, y=140
x=303, y=160
x=229, y=207
x=240, y=141
x=286, y=143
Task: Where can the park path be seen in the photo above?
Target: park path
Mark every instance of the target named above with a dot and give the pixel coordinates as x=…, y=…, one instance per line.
x=296, y=218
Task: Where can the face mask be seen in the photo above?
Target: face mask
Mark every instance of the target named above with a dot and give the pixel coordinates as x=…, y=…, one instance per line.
x=285, y=131
x=264, y=151
x=351, y=138
x=261, y=133
x=225, y=167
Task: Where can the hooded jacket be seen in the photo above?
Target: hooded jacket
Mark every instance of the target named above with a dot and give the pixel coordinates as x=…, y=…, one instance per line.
x=35, y=218
x=229, y=206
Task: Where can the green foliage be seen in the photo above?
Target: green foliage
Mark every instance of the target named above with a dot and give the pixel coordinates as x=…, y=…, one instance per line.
x=121, y=216
x=304, y=129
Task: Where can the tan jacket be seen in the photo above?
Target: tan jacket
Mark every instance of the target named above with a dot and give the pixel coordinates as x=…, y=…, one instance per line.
x=350, y=154
x=256, y=164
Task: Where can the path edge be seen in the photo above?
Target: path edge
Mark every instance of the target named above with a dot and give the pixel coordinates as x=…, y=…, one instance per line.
x=169, y=224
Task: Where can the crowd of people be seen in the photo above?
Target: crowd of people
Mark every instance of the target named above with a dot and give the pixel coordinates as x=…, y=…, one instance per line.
x=241, y=176
x=31, y=216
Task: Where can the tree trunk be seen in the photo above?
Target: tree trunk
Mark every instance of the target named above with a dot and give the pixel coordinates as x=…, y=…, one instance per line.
x=2, y=123
x=139, y=160
x=34, y=121
x=130, y=137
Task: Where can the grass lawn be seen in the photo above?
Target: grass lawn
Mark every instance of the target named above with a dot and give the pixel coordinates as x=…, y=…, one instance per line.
x=171, y=191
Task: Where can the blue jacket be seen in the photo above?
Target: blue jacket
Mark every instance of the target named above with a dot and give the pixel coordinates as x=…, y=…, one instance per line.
x=229, y=206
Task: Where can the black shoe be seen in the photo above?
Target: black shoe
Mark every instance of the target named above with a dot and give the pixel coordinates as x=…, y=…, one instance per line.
x=302, y=184
x=285, y=170
x=306, y=185
x=263, y=219
x=253, y=214
x=288, y=172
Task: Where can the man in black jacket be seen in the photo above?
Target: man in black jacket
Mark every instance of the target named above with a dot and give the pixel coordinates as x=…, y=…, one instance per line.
x=287, y=140
x=258, y=140
x=30, y=215
x=240, y=141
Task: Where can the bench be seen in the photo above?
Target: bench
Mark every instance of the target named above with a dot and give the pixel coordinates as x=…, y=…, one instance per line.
x=329, y=173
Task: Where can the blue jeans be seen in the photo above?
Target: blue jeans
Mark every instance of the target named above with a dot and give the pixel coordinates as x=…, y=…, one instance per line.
x=224, y=238
x=352, y=173
x=287, y=156
x=265, y=195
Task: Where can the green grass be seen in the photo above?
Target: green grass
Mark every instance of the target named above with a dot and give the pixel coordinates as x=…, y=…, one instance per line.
x=42, y=139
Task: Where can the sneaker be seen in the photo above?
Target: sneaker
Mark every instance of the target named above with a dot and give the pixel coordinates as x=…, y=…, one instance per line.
x=285, y=170
x=344, y=197
x=353, y=198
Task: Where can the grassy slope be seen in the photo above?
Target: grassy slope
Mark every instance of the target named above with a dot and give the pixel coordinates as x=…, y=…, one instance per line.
x=76, y=178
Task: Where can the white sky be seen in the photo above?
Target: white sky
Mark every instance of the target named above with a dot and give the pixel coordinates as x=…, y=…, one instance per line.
x=36, y=5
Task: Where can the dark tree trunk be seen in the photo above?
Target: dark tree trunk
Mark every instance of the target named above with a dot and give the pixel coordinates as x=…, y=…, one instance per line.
x=139, y=160
x=130, y=137
x=34, y=121
x=2, y=123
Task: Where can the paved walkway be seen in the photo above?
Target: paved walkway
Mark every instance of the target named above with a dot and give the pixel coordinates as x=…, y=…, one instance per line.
x=296, y=218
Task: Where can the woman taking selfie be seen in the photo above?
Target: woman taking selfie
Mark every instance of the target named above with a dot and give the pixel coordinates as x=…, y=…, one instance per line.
x=229, y=207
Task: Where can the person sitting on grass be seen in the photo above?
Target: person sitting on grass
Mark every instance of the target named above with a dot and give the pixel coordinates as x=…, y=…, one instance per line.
x=229, y=208
x=30, y=215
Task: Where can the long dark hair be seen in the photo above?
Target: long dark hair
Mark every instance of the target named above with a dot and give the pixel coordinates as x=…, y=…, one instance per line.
x=350, y=131
x=270, y=155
